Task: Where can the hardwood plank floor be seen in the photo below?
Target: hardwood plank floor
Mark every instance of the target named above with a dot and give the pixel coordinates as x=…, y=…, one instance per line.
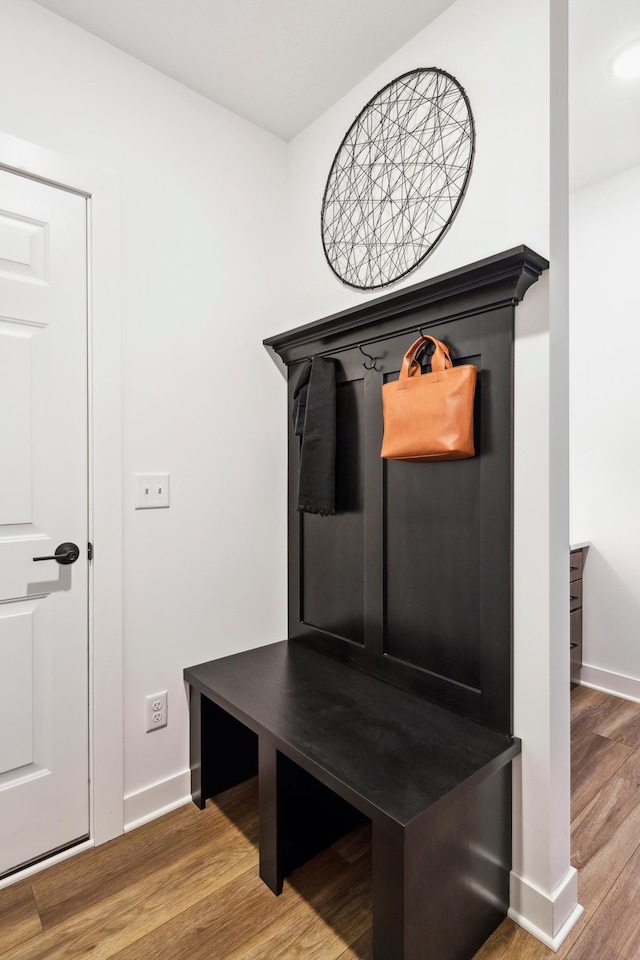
x=605, y=832
x=187, y=884
x=19, y=918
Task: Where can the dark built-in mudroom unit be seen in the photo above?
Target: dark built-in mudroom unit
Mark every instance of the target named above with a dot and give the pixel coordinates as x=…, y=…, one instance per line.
x=391, y=699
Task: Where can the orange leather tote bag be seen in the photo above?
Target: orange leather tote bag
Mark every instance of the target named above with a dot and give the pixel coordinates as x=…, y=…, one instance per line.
x=429, y=416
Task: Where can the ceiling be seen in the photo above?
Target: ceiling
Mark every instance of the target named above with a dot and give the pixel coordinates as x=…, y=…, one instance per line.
x=282, y=63
x=278, y=63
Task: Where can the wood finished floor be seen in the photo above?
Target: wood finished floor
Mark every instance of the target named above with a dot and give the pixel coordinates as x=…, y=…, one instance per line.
x=186, y=885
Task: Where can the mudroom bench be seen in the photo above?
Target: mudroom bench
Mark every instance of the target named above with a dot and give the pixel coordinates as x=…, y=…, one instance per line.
x=332, y=745
x=391, y=698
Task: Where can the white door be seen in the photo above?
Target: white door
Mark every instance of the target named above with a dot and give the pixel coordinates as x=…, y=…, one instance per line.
x=44, y=790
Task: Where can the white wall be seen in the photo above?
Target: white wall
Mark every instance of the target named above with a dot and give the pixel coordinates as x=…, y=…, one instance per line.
x=202, y=198
x=501, y=53
x=605, y=405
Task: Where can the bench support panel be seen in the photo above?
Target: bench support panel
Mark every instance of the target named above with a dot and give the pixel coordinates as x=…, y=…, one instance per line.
x=299, y=816
x=443, y=890
x=223, y=751
x=272, y=868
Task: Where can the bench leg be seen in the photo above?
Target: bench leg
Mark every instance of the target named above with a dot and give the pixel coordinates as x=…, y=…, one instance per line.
x=198, y=789
x=388, y=896
x=223, y=751
x=271, y=857
x=299, y=816
x=440, y=891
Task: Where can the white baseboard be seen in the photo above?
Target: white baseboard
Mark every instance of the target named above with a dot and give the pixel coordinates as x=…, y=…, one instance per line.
x=549, y=917
x=616, y=683
x=156, y=800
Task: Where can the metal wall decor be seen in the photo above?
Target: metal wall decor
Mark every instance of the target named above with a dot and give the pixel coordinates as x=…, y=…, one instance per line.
x=397, y=179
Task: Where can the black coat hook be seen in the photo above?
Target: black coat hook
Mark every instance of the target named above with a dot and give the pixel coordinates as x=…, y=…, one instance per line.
x=372, y=365
x=429, y=347
x=423, y=334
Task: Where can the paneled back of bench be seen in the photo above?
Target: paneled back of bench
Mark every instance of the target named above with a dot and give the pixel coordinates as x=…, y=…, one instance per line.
x=411, y=580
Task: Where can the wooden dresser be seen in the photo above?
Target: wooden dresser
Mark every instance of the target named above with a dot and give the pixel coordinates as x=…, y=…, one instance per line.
x=576, y=564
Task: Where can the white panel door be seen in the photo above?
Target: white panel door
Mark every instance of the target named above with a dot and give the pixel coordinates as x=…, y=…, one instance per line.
x=44, y=790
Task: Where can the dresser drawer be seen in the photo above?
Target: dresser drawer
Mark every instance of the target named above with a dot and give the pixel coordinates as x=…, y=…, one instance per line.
x=575, y=621
x=575, y=595
x=575, y=565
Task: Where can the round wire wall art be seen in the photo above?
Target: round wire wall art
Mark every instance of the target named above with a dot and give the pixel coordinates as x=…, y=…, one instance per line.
x=398, y=179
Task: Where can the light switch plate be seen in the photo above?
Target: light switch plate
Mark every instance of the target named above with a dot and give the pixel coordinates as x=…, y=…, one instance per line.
x=151, y=490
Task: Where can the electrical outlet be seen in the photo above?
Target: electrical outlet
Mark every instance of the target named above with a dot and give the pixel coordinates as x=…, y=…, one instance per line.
x=151, y=490
x=156, y=704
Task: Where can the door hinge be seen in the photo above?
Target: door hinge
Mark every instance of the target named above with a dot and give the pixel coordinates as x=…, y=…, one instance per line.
x=90, y=551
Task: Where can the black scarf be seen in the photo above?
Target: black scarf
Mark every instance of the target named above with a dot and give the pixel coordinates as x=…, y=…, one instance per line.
x=314, y=420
